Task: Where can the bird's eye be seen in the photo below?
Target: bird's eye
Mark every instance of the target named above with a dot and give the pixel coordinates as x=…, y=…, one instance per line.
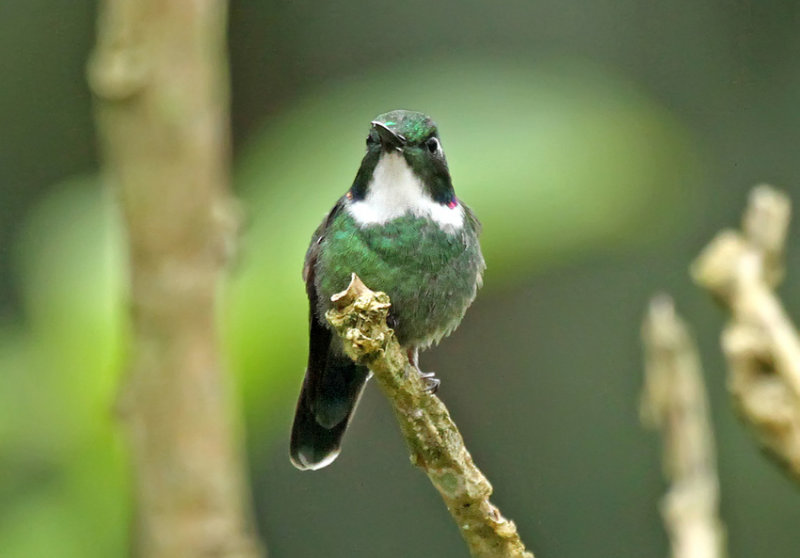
x=432, y=145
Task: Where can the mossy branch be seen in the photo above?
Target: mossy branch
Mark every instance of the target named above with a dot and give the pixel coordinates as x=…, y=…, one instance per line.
x=741, y=269
x=359, y=317
x=674, y=401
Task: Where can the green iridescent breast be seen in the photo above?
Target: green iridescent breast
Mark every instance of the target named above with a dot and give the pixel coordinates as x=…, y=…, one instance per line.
x=430, y=275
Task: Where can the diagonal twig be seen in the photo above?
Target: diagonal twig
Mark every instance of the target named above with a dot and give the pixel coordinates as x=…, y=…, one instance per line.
x=359, y=317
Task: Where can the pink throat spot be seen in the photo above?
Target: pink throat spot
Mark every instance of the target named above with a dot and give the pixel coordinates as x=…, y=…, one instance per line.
x=452, y=203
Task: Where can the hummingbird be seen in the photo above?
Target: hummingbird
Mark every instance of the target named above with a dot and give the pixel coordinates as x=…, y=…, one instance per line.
x=403, y=231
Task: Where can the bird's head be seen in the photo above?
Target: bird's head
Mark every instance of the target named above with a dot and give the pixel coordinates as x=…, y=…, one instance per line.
x=406, y=140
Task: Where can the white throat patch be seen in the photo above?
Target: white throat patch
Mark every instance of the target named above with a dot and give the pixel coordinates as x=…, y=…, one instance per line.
x=395, y=191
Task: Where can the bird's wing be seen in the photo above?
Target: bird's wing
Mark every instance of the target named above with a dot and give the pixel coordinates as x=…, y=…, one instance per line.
x=313, y=248
x=319, y=334
x=472, y=219
x=333, y=383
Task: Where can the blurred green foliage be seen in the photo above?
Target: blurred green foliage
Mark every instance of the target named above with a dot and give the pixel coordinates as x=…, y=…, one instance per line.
x=64, y=468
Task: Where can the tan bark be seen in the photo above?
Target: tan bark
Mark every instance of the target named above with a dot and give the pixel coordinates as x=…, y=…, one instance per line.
x=159, y=74
x=760, y=342
x=359, y=316
x=674, y=401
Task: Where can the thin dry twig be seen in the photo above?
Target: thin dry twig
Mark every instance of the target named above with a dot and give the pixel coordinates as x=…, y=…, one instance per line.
x=674, y=401
x=359, y=317
x=761, y=345
x=159, y=74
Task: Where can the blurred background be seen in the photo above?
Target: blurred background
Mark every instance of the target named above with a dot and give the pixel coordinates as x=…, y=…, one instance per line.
x=601, y=143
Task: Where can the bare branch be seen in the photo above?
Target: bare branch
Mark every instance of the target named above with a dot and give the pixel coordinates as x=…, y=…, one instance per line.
x=436, y=445
x=674, y=401
x=159, y=75
x=760, y=343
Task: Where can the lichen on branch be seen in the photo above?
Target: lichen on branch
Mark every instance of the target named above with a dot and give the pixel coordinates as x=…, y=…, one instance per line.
x=359, y=317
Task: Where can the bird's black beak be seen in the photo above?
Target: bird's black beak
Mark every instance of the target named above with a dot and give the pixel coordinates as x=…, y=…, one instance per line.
x=390, y=141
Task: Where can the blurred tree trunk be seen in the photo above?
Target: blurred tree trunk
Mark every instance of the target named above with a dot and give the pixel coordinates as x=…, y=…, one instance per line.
x=159, y=73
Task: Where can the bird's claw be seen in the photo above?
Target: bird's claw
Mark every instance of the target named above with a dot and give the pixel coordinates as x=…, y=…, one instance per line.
x=431, y=381
x=428, y=378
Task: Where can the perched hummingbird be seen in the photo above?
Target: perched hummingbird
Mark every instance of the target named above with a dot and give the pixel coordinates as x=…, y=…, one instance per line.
x=401, y=228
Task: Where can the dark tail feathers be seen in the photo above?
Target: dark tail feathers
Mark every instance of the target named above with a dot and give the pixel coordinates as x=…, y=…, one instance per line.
x=326, y=404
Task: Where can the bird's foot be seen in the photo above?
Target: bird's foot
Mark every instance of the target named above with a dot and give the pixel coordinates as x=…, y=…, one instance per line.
x=430, y=380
